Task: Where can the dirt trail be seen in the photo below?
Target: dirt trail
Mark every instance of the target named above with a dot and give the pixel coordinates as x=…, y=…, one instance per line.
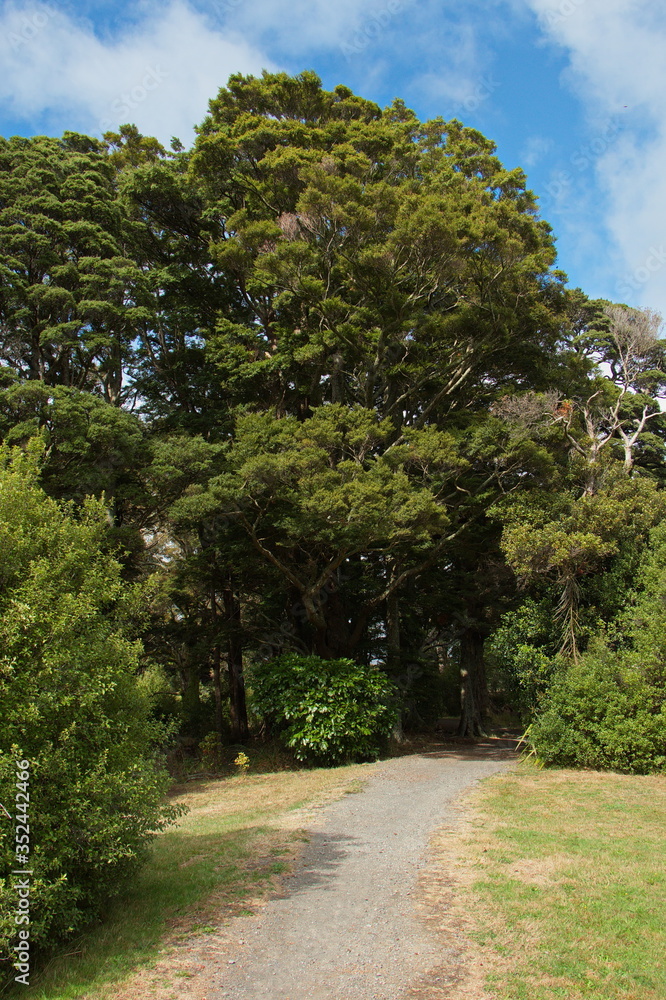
x=348, y=927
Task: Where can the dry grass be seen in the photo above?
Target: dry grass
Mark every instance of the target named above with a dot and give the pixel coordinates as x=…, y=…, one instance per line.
x=555, y=888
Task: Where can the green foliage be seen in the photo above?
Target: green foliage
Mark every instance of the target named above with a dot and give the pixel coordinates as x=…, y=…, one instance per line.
x=366, y=246
x=560, y=541
x=72, y=297
x=154, y=683
x=603, y=713
x=570, y=535
x=645, y=619
x=522, y=656
x=609, y=711
x=327, y=711
x=320, y=480
x=210, y=749
x=70, y=705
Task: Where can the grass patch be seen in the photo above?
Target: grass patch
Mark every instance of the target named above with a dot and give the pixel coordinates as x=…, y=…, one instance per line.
x=566, y=874
x=239, y=836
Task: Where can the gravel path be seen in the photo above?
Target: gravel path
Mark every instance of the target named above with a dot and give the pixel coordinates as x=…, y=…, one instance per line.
x=348, y=927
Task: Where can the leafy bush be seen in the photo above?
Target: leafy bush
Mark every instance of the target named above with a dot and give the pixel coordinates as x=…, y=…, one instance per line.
x=522, y=656
x=211, y=751
x=327, y=711
x=70, y=705
x=602, y=713
x=165, y=704
x=644, y=620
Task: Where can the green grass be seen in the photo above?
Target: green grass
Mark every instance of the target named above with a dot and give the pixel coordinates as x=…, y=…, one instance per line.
x=570, y=892
x=237, y=837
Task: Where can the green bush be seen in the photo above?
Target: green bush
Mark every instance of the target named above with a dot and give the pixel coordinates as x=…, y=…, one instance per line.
x=327, y=711
x=522, y=657
x=644, y=619
x=602, y=713
x=71, y=706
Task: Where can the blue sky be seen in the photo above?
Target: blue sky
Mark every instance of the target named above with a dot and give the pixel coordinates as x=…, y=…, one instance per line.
x=574, y=91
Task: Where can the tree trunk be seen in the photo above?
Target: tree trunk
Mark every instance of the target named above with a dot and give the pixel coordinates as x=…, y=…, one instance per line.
x=393, y=661
x=190, y=689
x=237, y=703
x=334, y=640
x=473, y=686
x=217, y=683
x=393, y=634
x=217, y=690
x=113, y=382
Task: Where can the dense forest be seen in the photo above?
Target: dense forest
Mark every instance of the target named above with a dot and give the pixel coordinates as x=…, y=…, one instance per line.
x=305, y=435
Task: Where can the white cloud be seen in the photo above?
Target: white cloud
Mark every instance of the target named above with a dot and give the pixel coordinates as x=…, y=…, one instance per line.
x=535, y=149
x=301, y=27
x=457, y=80
x=617, y=67
x=374, y=41
x=160, y=70
x=159, y=74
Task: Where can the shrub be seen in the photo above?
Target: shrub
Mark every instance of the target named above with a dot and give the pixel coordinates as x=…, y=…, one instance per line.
x=327, y=711
x=522, y=657
x=71, y=706
x=602, y=713
x=645, y=617
x=211, y=751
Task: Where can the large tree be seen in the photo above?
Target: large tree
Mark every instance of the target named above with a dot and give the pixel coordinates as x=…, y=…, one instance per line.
x=380, y=266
